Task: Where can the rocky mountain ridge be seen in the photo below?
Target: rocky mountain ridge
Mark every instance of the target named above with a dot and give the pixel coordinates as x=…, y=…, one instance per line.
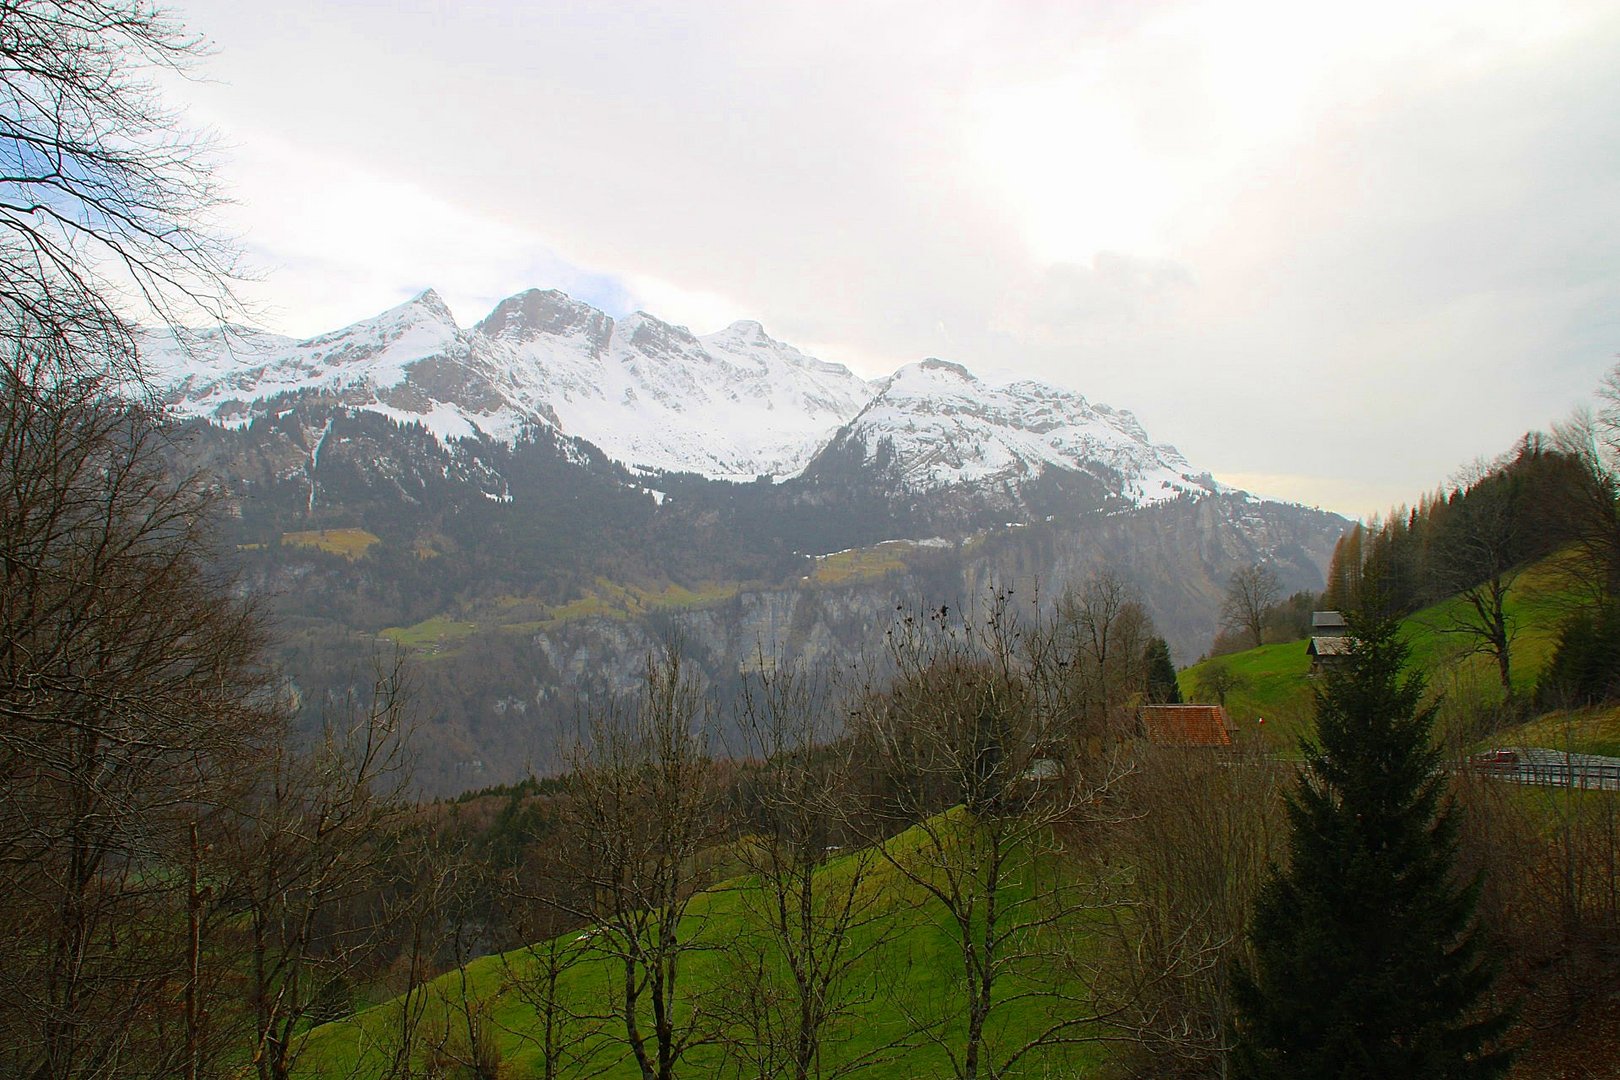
x=735, y=404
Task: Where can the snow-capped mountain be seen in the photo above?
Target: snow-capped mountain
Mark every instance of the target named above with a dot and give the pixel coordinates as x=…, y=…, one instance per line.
x=734, y=404
x=539, y=568
x=932, y=425
x=412, y=362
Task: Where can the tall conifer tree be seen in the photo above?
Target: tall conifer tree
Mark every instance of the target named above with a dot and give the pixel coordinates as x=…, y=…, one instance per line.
x=1161, y=674
x=1367, y=960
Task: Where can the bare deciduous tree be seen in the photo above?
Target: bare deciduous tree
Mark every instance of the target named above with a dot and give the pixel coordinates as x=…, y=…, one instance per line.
x=105, y=196
x=1588, y=520
x=134, y=697
x=644, y=809
x=1476, y=554
x=132, y=700
x=1200, y=832
x=304, y=853
x=470, y=1046
x=1217, y=680
x=974, y=765
x=1250, y=595
x=542, y=898
x=796, y=974
x=1102, y=634
x=427, y=875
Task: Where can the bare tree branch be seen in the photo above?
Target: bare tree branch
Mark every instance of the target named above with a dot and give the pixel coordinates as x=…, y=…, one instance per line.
x=105, y=197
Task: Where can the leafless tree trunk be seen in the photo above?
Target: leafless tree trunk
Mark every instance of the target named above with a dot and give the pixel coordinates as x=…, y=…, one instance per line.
x=1476, y=558
x=644, y=808
x=541, y=899
x=427, y=874
x=1101, y=634
x=812, y=926
x=470, y=1048
x=1250, y=595
x=974, y=766
x=565, y=1034
x=1201, y=828
x=133, y=696
x=133, y=690
x=305, y=858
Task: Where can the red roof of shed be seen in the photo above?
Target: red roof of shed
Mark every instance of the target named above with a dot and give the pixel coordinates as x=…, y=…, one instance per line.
x=1187, y=725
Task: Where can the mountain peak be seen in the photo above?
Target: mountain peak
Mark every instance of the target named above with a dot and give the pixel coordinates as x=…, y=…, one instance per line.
x=536, y=312
x=734, y=403
x=646, y=331
x=944, y=367
x=749, y=332
x=430, y=300
x=935, y=425
x=930, y=378
x=425, y=306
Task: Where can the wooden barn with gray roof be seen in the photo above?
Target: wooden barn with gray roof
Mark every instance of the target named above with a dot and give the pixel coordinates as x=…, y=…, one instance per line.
x=1330, y=640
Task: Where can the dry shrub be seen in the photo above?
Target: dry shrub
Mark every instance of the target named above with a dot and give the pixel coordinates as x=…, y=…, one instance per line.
x=1190, y=856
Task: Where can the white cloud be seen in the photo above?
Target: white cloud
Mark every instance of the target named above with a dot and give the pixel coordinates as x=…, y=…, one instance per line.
x=331, y=241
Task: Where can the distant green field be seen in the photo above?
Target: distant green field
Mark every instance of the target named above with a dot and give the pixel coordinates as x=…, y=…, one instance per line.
x=914, y=971
x=349, y=543
x=860, y=564
x=524, y=615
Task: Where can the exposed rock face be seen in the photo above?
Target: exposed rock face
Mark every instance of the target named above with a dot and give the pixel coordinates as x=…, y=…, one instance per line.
x=838, y=630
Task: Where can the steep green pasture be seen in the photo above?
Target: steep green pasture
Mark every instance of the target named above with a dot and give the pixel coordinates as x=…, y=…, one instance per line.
x=1535, y=604
x=911, y=968
x=1275, y=684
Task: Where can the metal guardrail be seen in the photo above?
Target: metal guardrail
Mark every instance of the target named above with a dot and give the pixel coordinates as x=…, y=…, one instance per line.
x=1553, y=768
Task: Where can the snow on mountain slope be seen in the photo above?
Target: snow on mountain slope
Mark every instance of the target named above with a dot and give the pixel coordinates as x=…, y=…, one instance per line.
x=410, y=362
x=945, y=428
x=733, y=404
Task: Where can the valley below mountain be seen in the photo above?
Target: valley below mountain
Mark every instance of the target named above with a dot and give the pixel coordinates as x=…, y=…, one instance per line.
x=531, y=505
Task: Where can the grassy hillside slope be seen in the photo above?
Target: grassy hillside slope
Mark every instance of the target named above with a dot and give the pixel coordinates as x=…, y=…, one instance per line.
x=1275, y=684
x=913, y=971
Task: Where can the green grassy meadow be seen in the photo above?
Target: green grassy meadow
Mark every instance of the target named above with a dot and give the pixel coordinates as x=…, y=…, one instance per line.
x=1277, y=688
x=349, y=543
x=910, y=967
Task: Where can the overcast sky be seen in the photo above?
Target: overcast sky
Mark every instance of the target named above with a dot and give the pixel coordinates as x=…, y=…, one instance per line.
x=1332, y=252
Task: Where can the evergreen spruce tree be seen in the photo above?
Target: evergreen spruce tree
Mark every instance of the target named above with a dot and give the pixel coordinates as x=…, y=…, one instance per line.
x=1367, y=962
x=1161, y=674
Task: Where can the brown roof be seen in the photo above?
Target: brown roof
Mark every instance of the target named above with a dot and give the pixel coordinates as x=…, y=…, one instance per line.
x=1187, y=725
